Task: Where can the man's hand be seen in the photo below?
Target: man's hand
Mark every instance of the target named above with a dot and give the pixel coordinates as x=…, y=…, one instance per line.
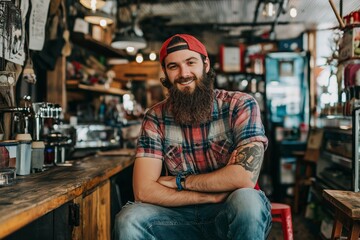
x=168, y=181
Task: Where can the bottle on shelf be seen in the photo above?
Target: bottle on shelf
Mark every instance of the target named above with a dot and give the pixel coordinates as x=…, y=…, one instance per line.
x=102, y=109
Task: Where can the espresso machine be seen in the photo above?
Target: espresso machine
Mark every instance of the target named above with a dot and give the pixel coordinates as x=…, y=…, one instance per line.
x=19, y=122
x=45, y=115
x=58, y=138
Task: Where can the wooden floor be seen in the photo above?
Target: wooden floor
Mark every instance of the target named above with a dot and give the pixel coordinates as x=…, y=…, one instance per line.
x=303, y=229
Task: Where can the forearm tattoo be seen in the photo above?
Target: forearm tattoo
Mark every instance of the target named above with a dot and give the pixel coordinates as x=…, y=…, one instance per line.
x=250, y=157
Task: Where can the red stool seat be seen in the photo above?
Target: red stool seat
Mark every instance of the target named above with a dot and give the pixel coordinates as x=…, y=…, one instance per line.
x=282, y=213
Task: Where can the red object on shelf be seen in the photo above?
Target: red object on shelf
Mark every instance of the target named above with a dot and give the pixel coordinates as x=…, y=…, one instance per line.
x=282, y=213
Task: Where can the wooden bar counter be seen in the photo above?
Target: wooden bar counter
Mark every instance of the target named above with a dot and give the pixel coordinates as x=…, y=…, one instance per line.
x=346, y=205
x=35, y=195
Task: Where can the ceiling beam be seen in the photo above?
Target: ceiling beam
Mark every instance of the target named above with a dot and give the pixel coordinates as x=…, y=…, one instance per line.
x=236, y=24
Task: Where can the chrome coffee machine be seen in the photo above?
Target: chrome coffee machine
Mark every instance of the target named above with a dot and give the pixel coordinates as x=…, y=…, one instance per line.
x=45, y=114
x=48, y=128
x=15, y=119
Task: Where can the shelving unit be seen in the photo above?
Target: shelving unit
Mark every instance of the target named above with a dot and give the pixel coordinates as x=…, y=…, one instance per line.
x=84, y=98
x=86, y=41
x=75, y=85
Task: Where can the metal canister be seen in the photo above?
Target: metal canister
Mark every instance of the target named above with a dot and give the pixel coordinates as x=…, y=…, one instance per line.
x=23, y=165
x=37, y=156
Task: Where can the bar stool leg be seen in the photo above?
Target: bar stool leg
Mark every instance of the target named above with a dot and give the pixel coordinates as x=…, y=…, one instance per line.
x=337, y=229
x=355, y=231
x=287, y=224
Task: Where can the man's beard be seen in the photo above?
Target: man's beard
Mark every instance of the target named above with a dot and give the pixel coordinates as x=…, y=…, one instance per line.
x=192, y=107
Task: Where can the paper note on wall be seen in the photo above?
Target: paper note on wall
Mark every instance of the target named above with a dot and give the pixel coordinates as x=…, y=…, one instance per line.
x=38, y=17
x=12, y=33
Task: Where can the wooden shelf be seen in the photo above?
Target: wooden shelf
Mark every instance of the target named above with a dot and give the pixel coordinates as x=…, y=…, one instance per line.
x=91, y=44
x=75, y=85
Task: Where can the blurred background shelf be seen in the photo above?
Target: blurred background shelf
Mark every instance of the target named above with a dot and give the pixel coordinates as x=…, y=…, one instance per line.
x=91, y=44
x=76, y=85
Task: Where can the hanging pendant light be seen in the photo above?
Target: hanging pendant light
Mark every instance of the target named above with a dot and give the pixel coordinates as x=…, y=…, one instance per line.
x=139, y=58
x=131, y=39
x=129, y=42
x=269, y=9
x=93, y=15
x=293, y=12
x=99, y=18
x=93, y=4
x=152, y=56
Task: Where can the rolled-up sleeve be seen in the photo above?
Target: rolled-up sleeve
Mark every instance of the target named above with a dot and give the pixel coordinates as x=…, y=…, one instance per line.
x=246, y=121
x=150, y=140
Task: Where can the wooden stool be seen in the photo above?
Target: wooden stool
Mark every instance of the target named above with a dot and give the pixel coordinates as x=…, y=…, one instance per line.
x=304, y=172
x=347, y=212
x=282, y=213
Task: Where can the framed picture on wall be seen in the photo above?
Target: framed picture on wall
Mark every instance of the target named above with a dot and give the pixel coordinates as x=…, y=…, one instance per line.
x=232, y=58
x=286, y=68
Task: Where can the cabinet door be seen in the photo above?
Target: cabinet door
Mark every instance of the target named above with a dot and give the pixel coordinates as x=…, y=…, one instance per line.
x=77, y=230
x=96, y=213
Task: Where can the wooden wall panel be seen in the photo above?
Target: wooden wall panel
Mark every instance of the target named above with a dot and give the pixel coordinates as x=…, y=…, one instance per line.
x=89, y=219
x=56, y=90
x=77, y=230
x=96, y=214
x=104, y=211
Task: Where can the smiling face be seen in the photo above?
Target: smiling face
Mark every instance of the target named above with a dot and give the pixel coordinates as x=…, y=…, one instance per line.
x=190, y=84
x=184, y=68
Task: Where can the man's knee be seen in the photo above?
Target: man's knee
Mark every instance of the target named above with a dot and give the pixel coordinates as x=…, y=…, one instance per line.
x=130, y=219
x=248, y=204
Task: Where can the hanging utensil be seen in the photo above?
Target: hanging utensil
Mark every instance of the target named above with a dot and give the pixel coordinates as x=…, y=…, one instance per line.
x=29, y=73
x=66, y=51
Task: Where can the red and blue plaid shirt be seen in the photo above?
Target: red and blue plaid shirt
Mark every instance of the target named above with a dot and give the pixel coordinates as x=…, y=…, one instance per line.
x=205, y=147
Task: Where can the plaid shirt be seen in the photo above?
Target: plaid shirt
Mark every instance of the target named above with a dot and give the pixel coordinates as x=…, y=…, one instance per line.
x=206, y=147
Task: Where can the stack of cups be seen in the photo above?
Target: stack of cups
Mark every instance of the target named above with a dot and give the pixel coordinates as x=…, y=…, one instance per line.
x=23, y=164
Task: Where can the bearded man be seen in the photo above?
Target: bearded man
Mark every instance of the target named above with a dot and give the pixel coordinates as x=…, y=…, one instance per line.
x=211, y=145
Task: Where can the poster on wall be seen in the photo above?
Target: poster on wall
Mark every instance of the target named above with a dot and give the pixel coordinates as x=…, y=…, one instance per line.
x=12, y=37
x=37, y=22
x=232, y=58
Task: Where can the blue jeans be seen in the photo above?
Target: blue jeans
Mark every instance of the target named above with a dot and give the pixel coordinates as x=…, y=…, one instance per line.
x=246, y=214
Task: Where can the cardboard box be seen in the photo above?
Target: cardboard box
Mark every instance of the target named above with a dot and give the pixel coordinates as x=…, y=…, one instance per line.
x=350, y=44
x=102, y=34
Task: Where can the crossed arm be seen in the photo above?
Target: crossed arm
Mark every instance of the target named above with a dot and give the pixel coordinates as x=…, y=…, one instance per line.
x=242, y=171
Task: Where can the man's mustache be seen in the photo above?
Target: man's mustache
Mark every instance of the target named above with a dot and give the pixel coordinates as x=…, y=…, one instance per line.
x=182, y=79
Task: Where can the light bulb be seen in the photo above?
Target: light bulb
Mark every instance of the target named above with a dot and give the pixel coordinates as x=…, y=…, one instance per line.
x=130, y=49
x=103, y=23
x=293, y=12
x=152, y=56
x=93, y=5
x=269, y=9
x=139, y=58
x=126, y=97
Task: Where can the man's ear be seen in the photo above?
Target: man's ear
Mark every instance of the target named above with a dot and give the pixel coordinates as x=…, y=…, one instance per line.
x=207, y=64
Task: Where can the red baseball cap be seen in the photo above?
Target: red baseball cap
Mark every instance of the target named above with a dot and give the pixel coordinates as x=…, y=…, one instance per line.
x=192, y=44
